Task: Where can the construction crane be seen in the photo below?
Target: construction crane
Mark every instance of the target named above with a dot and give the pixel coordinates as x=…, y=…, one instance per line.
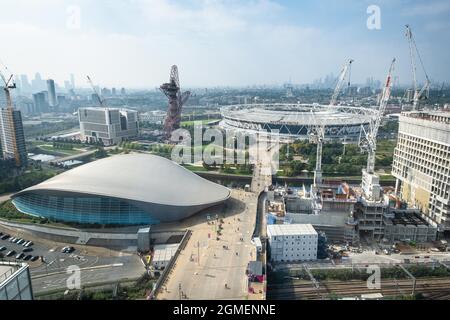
x=8, y=85
x=316, y=131
x=346, y=69
x=424, y=92
x=317, y=135
x=368, y=139
x=101, y=101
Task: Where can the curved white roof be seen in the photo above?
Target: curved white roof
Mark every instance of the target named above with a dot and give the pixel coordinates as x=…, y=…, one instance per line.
x=138, y=177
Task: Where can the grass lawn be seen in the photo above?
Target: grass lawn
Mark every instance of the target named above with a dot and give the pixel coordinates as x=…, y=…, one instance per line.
x=191, y=123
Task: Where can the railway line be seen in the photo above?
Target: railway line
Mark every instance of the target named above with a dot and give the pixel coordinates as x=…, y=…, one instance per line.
x=431, y=288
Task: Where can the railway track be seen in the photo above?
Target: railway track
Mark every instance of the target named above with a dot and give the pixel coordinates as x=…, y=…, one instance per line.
x=432, y=288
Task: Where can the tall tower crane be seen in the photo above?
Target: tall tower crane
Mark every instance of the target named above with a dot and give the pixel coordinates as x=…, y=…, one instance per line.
x=368, y=139
x=316, y=136
x=346, y=69
x=8, y=85
x=101, y=100
x=316, y=131
x=424, y=92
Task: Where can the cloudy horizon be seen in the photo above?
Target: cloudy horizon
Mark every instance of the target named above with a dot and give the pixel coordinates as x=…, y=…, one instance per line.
x=133, y=43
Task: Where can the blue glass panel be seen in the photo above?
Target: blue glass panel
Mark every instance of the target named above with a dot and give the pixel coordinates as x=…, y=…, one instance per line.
x=102, y=210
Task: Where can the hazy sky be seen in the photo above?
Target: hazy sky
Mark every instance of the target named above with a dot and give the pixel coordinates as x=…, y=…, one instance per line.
x=133, y=43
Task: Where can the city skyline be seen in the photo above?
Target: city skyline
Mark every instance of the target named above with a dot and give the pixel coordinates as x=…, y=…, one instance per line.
x=217, y=43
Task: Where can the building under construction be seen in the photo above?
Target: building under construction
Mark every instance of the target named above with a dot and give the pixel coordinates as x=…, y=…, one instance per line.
x=176, y=101
x=12, y=138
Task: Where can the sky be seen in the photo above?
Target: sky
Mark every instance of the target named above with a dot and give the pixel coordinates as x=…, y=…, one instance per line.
x=133, y=43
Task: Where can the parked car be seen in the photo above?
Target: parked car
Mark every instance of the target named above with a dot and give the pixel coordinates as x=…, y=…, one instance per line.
x=5, y=236
x=20, y=241
x=27, y=250
x=28, y=244
x=27, y=257
x=34, y=258
x=2, y=248
x=67, y=249
x=20, y=256
x=10, y=253
x=13, y=239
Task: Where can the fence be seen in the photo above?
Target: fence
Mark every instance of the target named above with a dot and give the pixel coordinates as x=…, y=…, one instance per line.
x=168, y=269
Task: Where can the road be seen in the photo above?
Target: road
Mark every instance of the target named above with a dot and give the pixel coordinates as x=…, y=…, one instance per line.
x=5, y=197
x=204, y=266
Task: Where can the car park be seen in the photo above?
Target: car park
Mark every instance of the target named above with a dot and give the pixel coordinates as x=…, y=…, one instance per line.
x=10, y=253
x=20, y=256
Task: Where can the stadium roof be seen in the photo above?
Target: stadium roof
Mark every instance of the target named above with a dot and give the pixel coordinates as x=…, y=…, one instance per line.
x=138, y=177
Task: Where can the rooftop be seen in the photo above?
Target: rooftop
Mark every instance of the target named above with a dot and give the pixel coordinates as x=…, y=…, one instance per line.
x=436, y=116
x=290, y=229
x=7, y=269
x=139, y=177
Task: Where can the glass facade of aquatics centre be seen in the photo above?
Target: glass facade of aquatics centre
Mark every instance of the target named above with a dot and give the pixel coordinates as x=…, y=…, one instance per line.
x=83, y=209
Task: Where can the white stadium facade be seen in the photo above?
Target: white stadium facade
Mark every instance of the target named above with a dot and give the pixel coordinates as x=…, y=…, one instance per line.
x=293, y=121
x=129, y=189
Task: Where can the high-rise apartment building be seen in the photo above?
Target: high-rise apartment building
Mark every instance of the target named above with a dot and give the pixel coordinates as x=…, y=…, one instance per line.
x=52, y=100
x=422, y=164
x=40, y=104
x=108, y=125
x=12, y=137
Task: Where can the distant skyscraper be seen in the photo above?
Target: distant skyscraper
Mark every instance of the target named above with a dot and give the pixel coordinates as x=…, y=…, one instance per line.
x=113, y=91
x=12, y=137
x=37, y=83
x=72, y=80
x=67, y=85
x=40, y=104
x=51, y=93
x=122, y=91
x=26, y=87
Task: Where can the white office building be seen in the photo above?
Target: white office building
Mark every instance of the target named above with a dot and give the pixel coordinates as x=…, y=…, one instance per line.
x=292, y=242
x=108, y=125
x=422, y=164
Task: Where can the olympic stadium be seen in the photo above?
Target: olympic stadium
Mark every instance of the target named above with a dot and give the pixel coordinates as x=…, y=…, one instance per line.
x=292, y=121
x=128, y=189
